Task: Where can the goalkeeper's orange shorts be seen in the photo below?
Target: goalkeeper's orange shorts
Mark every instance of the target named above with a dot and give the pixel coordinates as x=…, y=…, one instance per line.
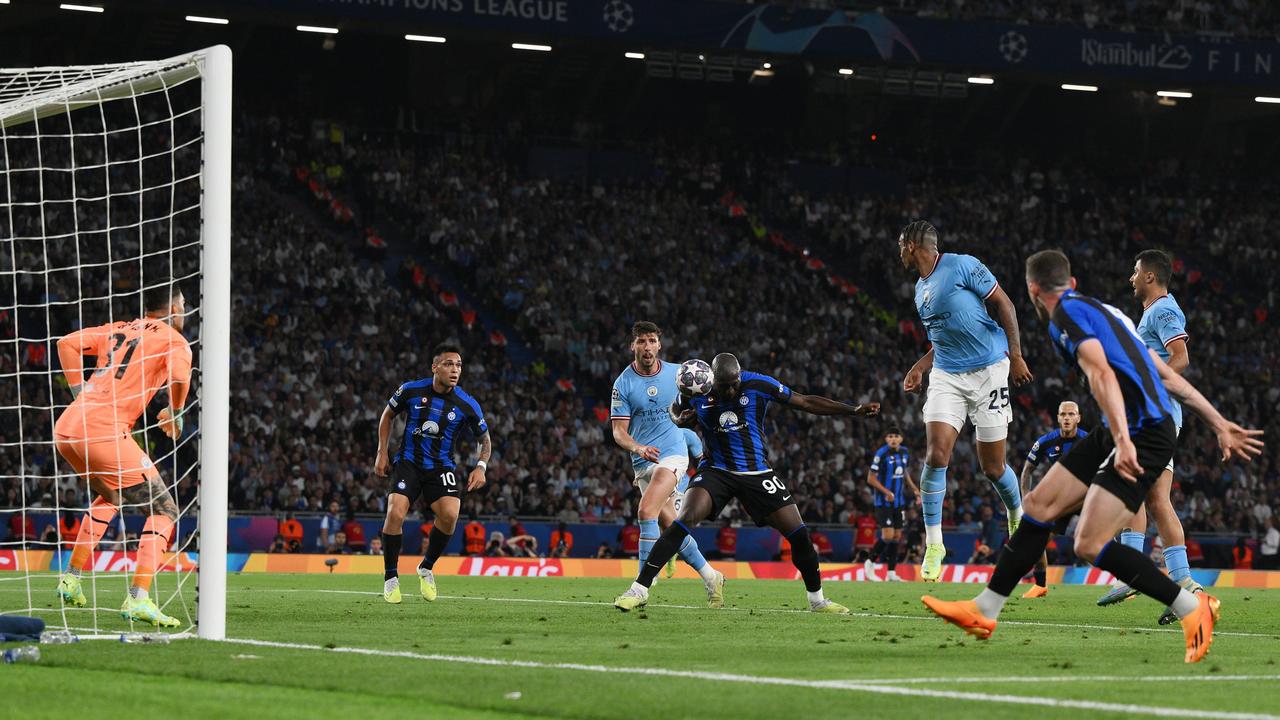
x=116, y=462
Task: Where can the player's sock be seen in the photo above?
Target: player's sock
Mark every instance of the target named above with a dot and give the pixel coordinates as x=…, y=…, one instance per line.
x=933, y=488
x=1041, y=576
x=690, y=553
x=1136, y=570
x=1020, y=555
x=391, y=554
x=1010, y=494
x=663, y=550
x=437, y=541
x=877, y=550
x=892, y=555
x=94, y=525
x=138, y=593
x=1175, y=560
x=990, y=603
x=649, y=533
x=151, y=546
x=815, y=596
x=1135, y=540
x=1185, y=604
x=805, y=558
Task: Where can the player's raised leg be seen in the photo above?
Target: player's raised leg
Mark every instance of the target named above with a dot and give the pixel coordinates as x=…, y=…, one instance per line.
x=991, y=442
x=697, y=506
x=940, y=438
x=157, y=532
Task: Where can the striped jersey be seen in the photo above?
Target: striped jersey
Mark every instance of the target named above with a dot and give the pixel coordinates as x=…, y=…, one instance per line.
x=1079, y=318
x=890, y=467
x=433, y=422
x=733, y=433
x=1052, y=446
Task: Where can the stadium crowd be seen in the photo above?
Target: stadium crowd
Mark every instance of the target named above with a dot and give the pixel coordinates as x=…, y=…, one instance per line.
x=329, y=319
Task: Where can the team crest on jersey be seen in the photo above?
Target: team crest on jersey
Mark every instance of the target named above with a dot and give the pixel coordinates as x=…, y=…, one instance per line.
x=743, y=401
x=652, y=391
x=453, y=415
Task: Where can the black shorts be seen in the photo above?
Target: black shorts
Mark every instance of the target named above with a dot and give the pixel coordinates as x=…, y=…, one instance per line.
x=1092, y=462
x=410, y=480
x=761, y=495
x=891, y=517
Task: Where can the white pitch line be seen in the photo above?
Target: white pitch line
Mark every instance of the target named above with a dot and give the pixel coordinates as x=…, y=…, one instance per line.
x=851, y=686
x=887, y=616
x=993, y=679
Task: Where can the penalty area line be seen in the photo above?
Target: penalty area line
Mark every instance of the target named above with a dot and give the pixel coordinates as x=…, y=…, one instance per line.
x=886, y=616
x=845, y=685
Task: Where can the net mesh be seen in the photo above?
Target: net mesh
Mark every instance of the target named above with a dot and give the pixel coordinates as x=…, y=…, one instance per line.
x=100, y=202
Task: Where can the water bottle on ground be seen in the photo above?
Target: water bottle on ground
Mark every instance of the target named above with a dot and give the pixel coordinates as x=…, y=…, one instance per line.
x=145, y=638
x=24, y=654
x=58, y=637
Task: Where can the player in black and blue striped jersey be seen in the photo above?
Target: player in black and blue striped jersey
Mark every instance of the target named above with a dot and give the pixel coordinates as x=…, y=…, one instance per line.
x=1108, y=474
x=890, y=478
x=1050, y=447
x=735, y=464
x=436, y=412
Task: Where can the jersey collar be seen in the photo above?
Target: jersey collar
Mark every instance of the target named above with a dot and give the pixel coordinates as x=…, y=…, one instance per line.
x=636, y=369
x=936, y=260
x=1154, y=301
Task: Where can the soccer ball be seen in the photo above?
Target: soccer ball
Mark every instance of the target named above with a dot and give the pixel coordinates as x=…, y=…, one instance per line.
x=694, y=377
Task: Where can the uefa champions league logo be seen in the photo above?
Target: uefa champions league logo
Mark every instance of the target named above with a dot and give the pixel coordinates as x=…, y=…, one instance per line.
x=618, y=15
x=1013, y=46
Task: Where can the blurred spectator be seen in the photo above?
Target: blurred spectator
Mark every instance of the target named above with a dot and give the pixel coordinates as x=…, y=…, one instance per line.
x=291, y=530
x=561, y=542
x=497, y=546
x=375, y=545
x=604, y=551
x=330, y=524
x=1269, y=549
x=354, y=531
x=278, y=545
x=629, y=539
x=473, y=534
x=1242, y=555
x=726, y=540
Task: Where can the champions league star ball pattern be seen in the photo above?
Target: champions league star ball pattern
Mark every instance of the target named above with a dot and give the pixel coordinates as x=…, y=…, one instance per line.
x=1013, y=46
x=694, y=377
x=618, y=15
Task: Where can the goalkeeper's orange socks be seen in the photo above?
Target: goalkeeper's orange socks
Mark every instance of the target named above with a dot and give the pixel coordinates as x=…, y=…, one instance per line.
x=151, y=546
x=92, y=528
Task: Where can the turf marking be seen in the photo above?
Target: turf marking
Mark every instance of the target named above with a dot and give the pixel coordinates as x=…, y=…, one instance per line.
x=846, y=685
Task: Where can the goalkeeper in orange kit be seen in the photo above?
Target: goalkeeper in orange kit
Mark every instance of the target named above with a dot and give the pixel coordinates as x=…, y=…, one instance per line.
x=134, y=360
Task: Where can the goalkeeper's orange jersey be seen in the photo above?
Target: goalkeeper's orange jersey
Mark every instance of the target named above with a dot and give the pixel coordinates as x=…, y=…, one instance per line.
x=135, y=359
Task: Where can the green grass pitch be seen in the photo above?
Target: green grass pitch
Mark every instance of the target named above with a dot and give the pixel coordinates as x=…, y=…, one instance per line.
x=554, y=647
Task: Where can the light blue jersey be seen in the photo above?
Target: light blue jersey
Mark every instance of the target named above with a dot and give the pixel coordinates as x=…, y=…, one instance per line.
x=694, y=445
x=951, y=301
x=646, y=400
x=1162, y=323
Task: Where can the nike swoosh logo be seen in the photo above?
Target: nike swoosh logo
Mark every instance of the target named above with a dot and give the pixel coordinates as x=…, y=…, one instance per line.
x=787, y=497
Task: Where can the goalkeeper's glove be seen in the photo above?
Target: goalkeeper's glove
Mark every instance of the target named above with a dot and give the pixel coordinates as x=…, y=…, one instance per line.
x=170, y=423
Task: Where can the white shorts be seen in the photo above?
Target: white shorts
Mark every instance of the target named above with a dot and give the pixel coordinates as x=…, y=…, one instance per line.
x=677, y=464
x=981, y=396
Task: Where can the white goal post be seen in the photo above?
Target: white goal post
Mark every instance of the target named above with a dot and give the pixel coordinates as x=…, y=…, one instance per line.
x=40, y=118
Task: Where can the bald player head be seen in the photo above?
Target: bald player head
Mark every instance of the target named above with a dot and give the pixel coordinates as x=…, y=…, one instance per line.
x=726, y=373
x=1068, y=417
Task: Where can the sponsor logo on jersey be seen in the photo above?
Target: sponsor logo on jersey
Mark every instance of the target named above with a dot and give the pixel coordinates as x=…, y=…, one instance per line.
x=729, y=420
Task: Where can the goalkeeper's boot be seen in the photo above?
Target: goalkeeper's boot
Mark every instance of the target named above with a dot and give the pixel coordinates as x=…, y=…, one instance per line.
x=427, y=585
x=1036, y=591
x=70, y=591
x=1117, y=594
x=391, y=591
x=715, y=591
x=671, y=567
x=632, y=599
x=1197, y=627
x=146, y=611
x=963, y=614
x=931, y=567
x=829, y=608
x=1191, y=586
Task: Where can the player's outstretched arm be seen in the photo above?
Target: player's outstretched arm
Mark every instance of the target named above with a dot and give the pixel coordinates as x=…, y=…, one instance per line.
x=1232, y=438
x=1007, y=316
x=1106, y=390
x=71, y=351
x=382, y=464
x=818, y=405
x=476, y=480
x=915, y=376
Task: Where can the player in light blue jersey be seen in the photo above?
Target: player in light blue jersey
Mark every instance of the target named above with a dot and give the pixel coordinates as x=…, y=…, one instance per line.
x=694, y=445
x=1163, y=328
x=642, y=426
x=970, y=363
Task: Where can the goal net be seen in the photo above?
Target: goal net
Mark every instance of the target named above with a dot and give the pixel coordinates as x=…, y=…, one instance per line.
x=114, y=181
